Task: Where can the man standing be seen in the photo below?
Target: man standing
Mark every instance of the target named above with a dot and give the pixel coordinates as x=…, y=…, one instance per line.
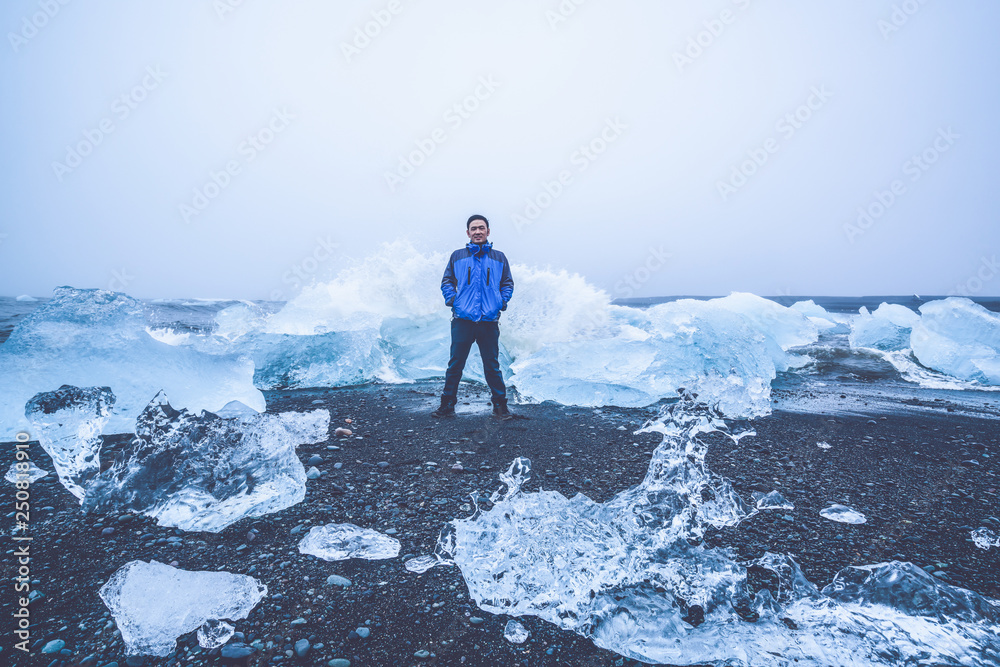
x=477, y=285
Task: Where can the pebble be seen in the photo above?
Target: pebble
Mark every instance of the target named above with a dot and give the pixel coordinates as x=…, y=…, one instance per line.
x=342, y=432
x=338, y=465
x=108, y=531
x=314, y=460
x=383, y=464
x=54, y=646
x=135, y=661
x=314, y=473
x=422, y=654
x=336, y=580
x=298, y=621
x=391, y=531
x=236, y=651
x=302, y=648
x=475, y=620
x=363, y=632
x=339, y=662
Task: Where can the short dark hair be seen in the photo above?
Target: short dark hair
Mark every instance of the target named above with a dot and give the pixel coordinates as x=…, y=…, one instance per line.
x=477, y=217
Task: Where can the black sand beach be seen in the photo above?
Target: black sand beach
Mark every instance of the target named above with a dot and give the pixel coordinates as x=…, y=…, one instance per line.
x=924, y=481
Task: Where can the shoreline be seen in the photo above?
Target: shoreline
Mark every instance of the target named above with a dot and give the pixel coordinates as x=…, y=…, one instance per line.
x=908, y=473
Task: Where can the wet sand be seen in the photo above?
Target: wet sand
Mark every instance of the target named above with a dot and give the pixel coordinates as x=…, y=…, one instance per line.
x=923, y=481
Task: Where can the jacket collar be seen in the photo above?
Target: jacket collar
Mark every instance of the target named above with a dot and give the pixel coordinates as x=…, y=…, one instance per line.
x=477, y=249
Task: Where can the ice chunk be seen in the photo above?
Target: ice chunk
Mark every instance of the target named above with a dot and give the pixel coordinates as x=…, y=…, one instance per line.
x=824, y=445
x=960, y=338
x=26, y=297
x=420, y=564
x=773, y=501
x=98, y=337
x=215, y=633
x=633, y=575
x=984, y=538
x=153, y=604
x=888, y=328
x=204, y=472
x=842, y=514
x=68, y=423
x=24, y=470
x=515, y=633
x=340, y=541
x=817, y=314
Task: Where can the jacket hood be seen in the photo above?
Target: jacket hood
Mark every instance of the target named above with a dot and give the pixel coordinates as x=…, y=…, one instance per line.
x=477, y=249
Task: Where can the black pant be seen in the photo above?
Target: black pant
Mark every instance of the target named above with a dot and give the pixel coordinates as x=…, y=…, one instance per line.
x=485, y=334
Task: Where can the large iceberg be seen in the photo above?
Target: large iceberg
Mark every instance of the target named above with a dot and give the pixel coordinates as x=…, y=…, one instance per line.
x=94, y=337
x=68, y=423
x=959, y=337
x=153, y=604
x=203, y=471
x=633, y=575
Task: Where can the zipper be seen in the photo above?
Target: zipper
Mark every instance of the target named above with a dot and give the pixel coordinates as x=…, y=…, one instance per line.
x=487, y=275
x=468, y=280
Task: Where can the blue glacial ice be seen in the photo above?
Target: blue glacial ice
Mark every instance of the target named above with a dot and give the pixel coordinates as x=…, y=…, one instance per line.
x=952, y=343
x=633, y=575
x=97, y=337
x=960, y=338
x=887, y=328
x=562, y=339
x=202, y=471
x=153, y=604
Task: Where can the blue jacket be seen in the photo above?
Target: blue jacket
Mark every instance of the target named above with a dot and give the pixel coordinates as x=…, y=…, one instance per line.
x=477, y=283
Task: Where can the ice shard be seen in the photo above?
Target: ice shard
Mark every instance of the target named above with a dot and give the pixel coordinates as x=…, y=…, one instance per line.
x=842, y=514
x=633, y=575
x=199, y=471
x=773, y=501
x=153, y=604
x=215, y=633
x=984, y=538
x=515, y=633
x=340, y=541
x=68, y=423
x=24, y=470
x=94, y=337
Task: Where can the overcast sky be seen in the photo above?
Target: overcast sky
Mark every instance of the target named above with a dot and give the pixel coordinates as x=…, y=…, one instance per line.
x=216, y=148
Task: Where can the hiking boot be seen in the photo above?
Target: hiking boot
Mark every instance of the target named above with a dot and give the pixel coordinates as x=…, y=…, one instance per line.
x=447, y=408
x=500, y=409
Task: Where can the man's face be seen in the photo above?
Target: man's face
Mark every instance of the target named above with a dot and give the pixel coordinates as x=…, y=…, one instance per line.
x=478, y=231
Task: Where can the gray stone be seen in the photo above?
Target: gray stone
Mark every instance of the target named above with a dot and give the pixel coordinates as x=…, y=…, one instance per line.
x=302, y=647
x=363, y=632
x=54, y=646
x=237, y=650
x=422, y=654
x=339, y=662
x=336, y=580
